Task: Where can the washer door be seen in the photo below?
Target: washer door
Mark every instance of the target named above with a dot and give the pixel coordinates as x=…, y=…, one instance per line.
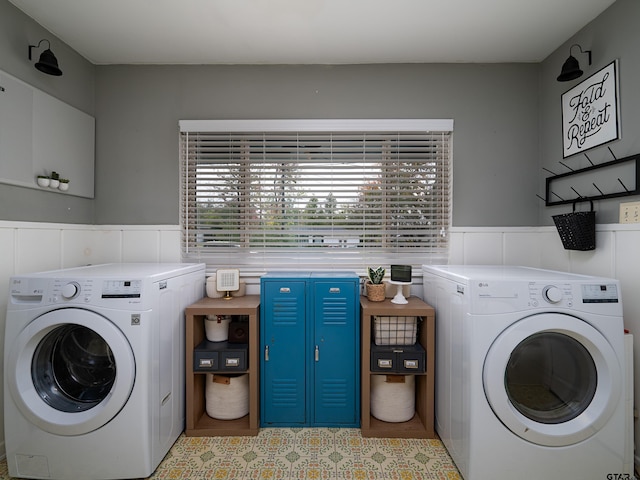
x=70, y=371
x=552, y=379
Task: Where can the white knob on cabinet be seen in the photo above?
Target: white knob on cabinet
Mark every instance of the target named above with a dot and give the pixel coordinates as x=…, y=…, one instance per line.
x=70, y=290
x=552, y=294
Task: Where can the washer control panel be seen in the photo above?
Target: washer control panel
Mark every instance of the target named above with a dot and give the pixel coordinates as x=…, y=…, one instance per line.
x=63, y=290
x=85, y=289
x=121, y=288
x=57, y=291
x=71, y=290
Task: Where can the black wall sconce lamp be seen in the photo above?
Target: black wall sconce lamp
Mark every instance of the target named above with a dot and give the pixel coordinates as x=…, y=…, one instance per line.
x=571, y=68
x=48, y=62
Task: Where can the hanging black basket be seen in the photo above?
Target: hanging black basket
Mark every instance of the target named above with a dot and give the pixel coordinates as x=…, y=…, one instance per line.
x=577, y=229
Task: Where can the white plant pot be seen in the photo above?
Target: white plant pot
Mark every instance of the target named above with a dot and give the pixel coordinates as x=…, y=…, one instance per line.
x=63, y=186
x=43, y=182
x=54, y=183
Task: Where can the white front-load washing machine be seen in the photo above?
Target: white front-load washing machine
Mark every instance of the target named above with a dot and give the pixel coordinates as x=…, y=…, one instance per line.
x=94, y=369
x=529, y=372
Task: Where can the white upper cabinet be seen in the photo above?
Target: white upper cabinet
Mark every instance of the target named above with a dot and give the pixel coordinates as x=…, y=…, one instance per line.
x=16, y=153
x=40, y=134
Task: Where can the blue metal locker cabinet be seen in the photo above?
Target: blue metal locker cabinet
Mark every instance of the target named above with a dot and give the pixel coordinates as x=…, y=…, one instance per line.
x=283, y=344
x=310, y=365
x=336, y=347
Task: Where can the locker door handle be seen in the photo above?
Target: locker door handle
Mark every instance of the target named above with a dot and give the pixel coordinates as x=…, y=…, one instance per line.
x=266, y=353
x=317, y=353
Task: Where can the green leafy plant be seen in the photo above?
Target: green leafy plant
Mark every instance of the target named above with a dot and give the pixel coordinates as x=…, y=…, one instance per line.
x=376, y=274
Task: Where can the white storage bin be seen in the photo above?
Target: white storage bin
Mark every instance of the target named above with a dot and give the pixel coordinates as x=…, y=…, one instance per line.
x=395, y=330
x=227, y=396
x=216, y=328
x=393, y=397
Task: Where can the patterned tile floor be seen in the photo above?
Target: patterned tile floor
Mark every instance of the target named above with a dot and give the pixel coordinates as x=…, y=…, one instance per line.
x=303, y=453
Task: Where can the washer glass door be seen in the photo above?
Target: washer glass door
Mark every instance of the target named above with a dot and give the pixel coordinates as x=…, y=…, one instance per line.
x=73, y=368
x=552, y=379
x=70, y=371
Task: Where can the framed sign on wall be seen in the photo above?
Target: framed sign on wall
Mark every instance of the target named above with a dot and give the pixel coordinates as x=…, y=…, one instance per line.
x=590, y=112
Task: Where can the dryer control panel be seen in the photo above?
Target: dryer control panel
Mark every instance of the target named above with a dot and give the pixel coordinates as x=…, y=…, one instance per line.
x=601, y=293
x=553, y=294
x=497, y=289
x=499, y=296
x=566, y=294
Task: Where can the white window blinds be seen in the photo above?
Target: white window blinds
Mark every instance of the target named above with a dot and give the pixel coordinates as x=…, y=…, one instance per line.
x=315, y=194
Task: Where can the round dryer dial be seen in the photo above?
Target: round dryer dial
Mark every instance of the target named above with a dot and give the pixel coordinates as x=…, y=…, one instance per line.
x=552, y=294
x=70, y=290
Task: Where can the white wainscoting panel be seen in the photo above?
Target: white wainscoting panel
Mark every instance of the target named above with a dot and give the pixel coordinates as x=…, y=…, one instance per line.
x=30, y=247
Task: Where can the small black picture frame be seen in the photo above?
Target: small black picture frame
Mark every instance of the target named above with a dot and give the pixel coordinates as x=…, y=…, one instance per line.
x=401, y=273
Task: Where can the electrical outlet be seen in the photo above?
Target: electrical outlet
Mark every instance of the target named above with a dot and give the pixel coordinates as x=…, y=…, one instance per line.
x=630, y=212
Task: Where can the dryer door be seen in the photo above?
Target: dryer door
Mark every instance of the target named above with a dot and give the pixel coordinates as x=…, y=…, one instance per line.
x=552, y=379
x=70, y=371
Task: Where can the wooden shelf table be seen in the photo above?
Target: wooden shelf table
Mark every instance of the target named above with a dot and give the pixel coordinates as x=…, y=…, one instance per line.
x=422, y=423
x=198, y=423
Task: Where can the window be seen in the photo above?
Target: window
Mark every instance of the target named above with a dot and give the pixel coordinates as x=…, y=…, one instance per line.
x=315, y=194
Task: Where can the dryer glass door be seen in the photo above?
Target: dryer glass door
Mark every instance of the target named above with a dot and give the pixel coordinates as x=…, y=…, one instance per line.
x=552, y=379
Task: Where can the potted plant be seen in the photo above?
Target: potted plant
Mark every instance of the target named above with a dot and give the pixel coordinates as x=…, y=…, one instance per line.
x=55, y=180
x=374, y=286
x=43, y=180
x=64, y=184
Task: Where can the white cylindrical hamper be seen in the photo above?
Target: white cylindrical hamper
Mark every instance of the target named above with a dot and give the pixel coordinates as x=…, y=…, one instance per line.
x=217, y=328
x=227, y=396
x=393, y=400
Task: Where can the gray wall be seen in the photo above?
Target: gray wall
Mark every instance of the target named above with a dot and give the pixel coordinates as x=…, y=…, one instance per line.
x=495, y=109
x=507, y=120
x=614, y=34
x=75, y=87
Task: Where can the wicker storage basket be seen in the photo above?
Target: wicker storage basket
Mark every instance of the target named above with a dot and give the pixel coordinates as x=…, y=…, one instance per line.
x=393, y=397
x=227, y=396
x=394, y=330
x=577, y=230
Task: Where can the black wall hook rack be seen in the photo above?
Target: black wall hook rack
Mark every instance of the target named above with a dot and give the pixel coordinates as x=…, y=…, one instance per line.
x=602, y=181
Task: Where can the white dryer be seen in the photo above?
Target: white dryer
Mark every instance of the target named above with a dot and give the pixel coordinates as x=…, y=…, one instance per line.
x=94, y=369
x=529, y=372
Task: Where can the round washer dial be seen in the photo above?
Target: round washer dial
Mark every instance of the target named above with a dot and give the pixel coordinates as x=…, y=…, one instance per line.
x=71, y=290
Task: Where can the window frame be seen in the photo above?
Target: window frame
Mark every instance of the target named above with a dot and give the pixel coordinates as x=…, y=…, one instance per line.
x=252, y=260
